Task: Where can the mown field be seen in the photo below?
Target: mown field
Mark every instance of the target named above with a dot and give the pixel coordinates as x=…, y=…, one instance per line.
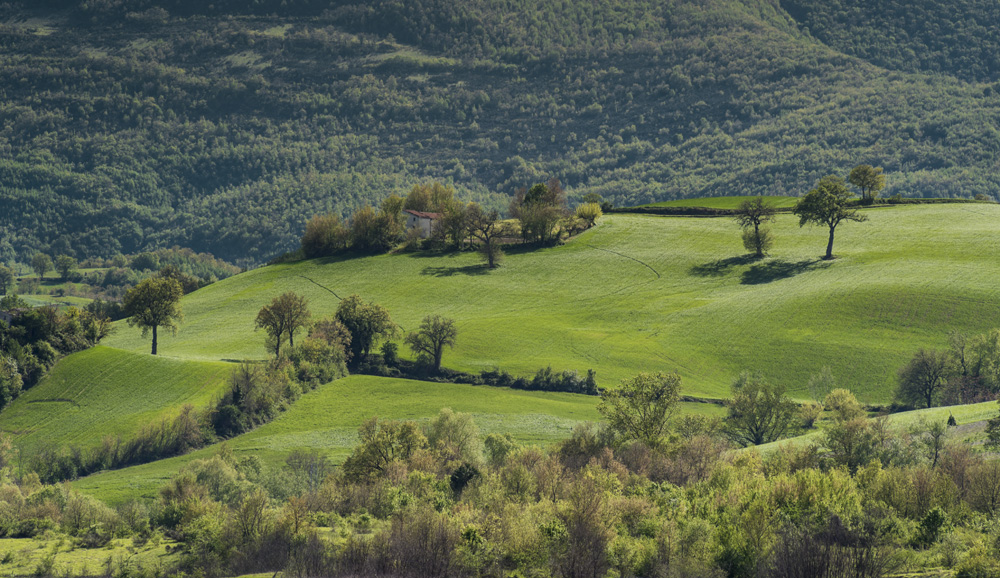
x=722, y=202
x=648, y=293
x=327, y=420
x=108, y=392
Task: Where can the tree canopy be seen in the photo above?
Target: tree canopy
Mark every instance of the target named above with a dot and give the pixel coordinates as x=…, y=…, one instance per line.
x=285, y=315
x=153, y=303
x=642, y=408
x=828, y=204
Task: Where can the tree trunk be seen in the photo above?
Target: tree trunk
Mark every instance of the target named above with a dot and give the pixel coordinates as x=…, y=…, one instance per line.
x=829, y=246
x=154, y=340
x=437, y=358
x=756, y=238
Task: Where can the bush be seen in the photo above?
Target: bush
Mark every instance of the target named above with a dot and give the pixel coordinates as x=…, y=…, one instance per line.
x=325, y=235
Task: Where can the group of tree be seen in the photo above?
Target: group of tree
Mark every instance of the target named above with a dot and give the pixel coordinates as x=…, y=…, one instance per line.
x=828, y=204
x=355, y=329
x=968, y=371
x=541, y=216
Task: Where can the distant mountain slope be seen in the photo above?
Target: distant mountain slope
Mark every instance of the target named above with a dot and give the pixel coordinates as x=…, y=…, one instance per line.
x=128, y=125
x=958, y=37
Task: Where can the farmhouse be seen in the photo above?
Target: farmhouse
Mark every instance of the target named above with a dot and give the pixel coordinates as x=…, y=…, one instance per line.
x=422, y=221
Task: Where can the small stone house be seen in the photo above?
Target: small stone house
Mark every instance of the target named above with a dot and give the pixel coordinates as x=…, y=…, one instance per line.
x=422, y=221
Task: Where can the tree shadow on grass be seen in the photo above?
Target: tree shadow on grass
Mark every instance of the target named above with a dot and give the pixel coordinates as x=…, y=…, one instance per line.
x=451, y=271
x=779, y=269
x=720, y=267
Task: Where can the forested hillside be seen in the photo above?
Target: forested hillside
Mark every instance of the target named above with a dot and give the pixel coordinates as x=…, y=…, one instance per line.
x=223, y=126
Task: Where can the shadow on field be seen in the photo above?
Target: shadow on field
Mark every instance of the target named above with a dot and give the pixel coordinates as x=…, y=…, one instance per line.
x=722, y=266
x=450, y=271
x=779, y=269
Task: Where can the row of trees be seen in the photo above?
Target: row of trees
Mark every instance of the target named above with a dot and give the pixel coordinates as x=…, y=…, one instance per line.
x=968, y=371
x=355, y=329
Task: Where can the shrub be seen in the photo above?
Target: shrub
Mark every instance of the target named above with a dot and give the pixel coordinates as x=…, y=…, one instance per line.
x=325, y=235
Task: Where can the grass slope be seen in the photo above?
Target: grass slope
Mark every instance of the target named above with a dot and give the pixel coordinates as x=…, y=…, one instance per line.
x=327, y=419
x=645, y=293
x=723, y=202
x=104, y=391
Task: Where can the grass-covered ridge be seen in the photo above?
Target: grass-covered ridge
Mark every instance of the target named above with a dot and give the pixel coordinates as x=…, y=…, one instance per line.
x=107, y=392
x=327, y=420
x=643, y=293
x=720, y=202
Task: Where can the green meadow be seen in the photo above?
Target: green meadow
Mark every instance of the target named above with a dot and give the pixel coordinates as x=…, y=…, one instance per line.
x=651, y=293
x=107, y=392
x=327, y=420
x=723, y=202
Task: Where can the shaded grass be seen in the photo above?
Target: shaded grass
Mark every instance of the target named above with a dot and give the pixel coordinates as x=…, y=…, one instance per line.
x=647, y=293
x=104, y=391
x=327, y=420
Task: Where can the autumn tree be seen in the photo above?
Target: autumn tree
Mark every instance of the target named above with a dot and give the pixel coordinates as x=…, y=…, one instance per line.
x=285, y=315
x=869, y=180
x=759, y=412
x=752, y=216
x=154, y=303
x=435, y=333
x=921, y=380
x=828, y=204
x=486, y=228
x=41, y=264
x=366, y=322
x=641, y=408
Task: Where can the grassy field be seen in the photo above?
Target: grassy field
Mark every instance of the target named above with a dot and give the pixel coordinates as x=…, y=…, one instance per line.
x=327, y=419
x=723, y=202
x=32, y=556
x=648, y=293
x=104, y=391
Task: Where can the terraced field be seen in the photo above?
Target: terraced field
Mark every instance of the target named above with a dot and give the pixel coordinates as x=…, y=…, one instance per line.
x=647, y=293
x=106, y=392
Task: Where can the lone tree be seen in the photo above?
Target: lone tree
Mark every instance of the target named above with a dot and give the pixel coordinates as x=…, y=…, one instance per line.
x=828, y=204
x=869, y=179
x=759, y=412
x=153, y=303
x=6, y=280
x=434, y=335
x=752, y=215
x=286, y=314
x=65, y=265
x=921, y=380
x=41, y=264
x=641, y=408
x=366, y=322
x=487, y=228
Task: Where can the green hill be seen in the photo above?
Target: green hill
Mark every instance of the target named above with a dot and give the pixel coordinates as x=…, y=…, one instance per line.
x=224, y=126
x=328, y=418
x=646, y=293
x=721, y=202
x=107, y=392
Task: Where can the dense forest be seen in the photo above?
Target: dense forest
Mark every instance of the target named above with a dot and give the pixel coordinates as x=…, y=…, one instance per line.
x=224, y=126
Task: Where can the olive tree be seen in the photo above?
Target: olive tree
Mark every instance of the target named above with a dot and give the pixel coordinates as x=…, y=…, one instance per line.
x=153, y=303
x=828, y=204
x=641, y=408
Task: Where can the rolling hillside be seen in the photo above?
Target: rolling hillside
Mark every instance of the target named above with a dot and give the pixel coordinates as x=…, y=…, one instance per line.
x=224, y=126
x=643, y=293
x=108, y=392
x=328, y=418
